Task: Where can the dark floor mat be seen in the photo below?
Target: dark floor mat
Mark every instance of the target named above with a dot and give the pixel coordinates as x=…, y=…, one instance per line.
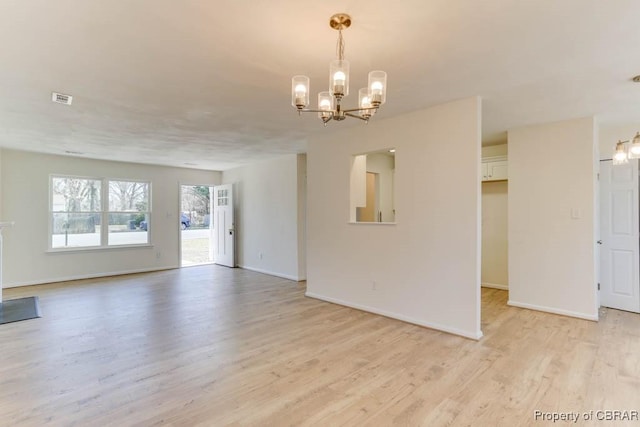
x=15, y=310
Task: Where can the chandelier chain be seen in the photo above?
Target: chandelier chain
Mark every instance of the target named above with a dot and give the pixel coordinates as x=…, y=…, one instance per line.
x=340, y=46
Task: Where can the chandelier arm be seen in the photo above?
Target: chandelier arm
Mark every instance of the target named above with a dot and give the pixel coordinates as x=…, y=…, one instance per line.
x=356, y=116
x=361, y=109
x=305, y=110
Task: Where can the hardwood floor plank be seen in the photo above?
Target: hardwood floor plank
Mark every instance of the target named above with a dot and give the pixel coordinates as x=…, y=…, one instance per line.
x=215, y=346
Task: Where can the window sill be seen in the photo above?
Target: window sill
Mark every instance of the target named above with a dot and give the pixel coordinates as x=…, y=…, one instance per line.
x=96, y=248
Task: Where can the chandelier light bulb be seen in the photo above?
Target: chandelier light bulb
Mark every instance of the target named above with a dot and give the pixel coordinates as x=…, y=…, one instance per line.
x=378, y=86
x=325, y=105
x=339, y=78
x=620, y=155
x=634, y=148
x=300, y=91
x=364, y=101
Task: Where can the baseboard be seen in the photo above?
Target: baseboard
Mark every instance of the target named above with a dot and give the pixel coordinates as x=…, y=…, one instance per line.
x=141, y=270
x=397, y=316
x=87, y=276
x=554, y=310
x=494, y=286
x=272, y=273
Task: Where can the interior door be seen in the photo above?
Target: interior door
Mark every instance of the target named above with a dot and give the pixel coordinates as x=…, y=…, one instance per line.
x=224, y=228
x=619, y=224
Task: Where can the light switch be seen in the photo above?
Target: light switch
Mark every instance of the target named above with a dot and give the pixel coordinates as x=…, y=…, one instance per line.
x=576, y=213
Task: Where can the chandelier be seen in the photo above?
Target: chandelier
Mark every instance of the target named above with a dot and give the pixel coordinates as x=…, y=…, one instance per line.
x=329, y=102
x=622, y=156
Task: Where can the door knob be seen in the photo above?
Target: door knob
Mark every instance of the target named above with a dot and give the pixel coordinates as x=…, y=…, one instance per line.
x=599, y=242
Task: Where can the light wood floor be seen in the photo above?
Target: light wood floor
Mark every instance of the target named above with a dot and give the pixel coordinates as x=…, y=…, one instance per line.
x=214, y=346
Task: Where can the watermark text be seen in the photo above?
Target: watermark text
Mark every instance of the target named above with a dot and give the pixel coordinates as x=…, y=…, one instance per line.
x=593, y=415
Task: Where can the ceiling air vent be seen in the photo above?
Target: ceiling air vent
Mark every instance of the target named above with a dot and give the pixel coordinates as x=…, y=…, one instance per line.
x=61, y=98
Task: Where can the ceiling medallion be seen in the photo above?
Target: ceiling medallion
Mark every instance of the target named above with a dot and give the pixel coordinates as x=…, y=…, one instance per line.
x=329, y=108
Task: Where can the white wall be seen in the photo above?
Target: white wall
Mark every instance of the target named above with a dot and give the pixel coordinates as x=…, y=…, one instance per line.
x=495, y=150
x=302, y=216
x=267, y=197
x=552, y=216
x=25, y=200
x=426, y=268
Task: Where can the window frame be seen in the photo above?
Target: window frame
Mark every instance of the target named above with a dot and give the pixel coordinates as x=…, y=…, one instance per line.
x=104, y=213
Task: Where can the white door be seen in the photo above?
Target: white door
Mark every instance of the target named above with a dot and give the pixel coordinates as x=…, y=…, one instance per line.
x=224, y=229
x=619, y=223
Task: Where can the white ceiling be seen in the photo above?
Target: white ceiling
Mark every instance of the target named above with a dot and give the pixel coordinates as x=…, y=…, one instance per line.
x=206, y=84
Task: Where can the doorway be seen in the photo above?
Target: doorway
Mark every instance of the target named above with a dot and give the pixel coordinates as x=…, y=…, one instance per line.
x=196, y=225
x=494, y=198
x=619, y=228
x=495, y=246
x=224, y=234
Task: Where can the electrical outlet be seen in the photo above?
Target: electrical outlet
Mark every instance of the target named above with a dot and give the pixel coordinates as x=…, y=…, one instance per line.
x=260, y=255
x=374, y=285
x=158, y=255
x=576, y=213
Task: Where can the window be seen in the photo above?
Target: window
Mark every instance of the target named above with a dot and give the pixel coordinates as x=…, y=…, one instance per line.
x=223, y=197
x=91, y=212
x=75, y=212
x=128, y=213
